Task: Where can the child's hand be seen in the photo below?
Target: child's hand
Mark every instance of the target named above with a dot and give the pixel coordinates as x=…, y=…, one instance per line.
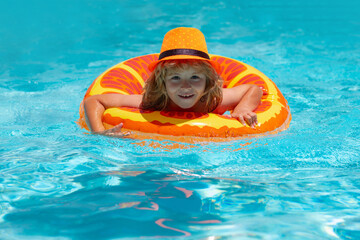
x=114, y=132
x=246, y=116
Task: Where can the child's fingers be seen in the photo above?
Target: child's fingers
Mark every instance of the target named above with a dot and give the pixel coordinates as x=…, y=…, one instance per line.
x=116, y=131
x=251, y=119
x=247, y=119
x=242, y=120
x=117, y=127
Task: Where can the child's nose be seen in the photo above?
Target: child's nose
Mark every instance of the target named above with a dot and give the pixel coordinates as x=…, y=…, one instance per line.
x=186, y=84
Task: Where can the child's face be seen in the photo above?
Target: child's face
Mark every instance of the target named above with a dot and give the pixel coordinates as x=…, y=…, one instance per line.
x=185, y=87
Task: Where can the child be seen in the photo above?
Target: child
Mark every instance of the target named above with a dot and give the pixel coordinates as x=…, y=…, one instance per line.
x=183, y=79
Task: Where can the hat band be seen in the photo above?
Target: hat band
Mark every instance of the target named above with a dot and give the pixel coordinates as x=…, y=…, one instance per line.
x=183, y=51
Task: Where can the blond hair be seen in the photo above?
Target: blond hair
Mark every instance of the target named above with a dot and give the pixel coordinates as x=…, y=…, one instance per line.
x=155, y=96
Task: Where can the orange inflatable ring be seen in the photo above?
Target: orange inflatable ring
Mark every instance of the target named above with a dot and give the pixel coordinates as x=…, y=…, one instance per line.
x=128, y=78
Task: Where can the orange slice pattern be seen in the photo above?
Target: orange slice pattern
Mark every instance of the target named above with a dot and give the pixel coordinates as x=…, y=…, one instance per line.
x=229, y=69
x=140, y=64
x=121, y=79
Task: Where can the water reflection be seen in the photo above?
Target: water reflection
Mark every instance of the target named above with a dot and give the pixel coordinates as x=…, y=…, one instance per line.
x=117, y=204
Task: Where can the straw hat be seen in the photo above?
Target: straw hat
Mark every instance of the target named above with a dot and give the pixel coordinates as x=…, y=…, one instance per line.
x=184, y=43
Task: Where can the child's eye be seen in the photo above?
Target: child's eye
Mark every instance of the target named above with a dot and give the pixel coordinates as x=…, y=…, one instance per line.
x=195, y=77
x=175, y=78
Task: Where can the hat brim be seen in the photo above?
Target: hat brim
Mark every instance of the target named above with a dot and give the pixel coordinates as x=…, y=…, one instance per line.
x=214, y=64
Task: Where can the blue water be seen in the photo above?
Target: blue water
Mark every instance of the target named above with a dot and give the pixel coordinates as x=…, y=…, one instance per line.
x=56, y=182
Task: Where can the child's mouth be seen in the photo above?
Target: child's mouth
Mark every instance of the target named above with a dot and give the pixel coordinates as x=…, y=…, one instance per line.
x=186, y=96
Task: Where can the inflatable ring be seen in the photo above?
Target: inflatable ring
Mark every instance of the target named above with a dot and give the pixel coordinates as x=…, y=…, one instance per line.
x=128, y=77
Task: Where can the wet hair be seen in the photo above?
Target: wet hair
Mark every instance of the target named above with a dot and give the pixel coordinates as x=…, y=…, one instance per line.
x=155, y=96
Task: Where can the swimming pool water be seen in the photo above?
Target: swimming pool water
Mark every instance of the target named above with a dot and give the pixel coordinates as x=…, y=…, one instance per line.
x=56, y=182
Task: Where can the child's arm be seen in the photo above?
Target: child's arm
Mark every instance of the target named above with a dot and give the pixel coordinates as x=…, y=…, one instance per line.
x=95, y=106
x=242, y=100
